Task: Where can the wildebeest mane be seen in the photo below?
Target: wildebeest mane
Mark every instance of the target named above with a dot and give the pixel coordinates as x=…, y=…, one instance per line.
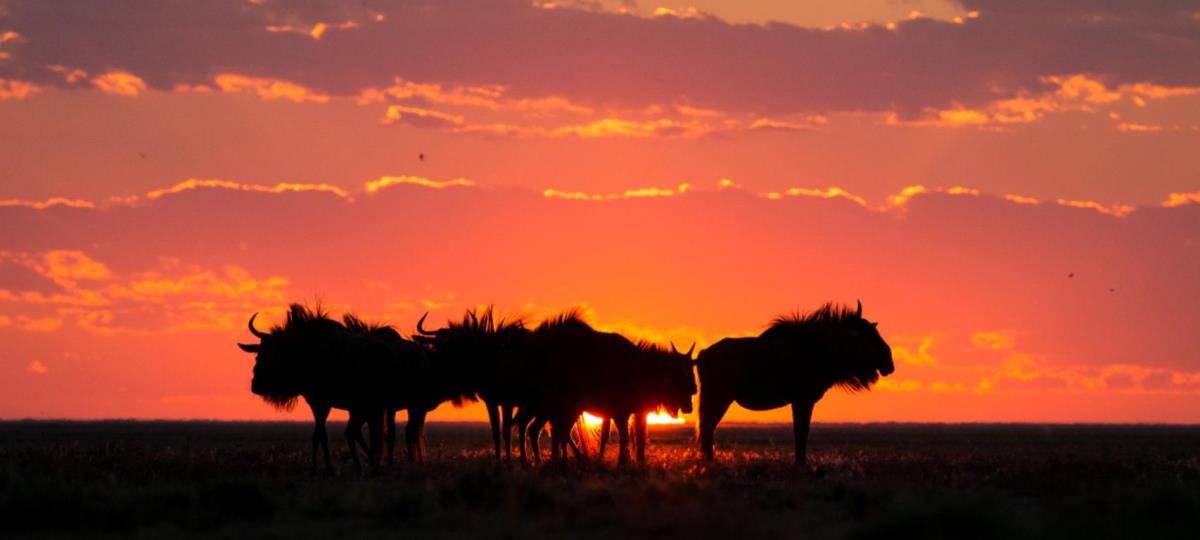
x=570, y=317
x=829, y=318
x=300, y=316
x=651, y=347
x=355, y=324
x=827, y=314
x=485, y=321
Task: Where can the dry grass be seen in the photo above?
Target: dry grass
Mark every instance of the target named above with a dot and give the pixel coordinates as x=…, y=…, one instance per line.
x=880, y=481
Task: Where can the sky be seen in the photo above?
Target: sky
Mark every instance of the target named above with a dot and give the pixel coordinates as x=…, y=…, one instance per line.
x=1011, y=188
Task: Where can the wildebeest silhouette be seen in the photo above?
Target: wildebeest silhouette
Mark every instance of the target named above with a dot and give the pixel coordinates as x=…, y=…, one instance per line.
x=364, y=369
x=576, y=368
x=793, y=362
x=665, y=382
x=416, y=389
x=474, y=356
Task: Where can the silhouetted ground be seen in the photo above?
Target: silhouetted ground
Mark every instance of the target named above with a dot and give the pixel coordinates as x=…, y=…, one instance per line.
x=874, y=481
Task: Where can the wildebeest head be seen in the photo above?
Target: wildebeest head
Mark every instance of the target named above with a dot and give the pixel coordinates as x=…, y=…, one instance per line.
x=276, y=378
x=672, y=376
x=865, y=352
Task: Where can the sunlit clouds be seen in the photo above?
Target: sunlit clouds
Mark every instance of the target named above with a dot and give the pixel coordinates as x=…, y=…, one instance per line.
x=383, y=182
x=268, y=89
x=121, y=83
x=197, y=183
x=16, y=89
x=169, y=297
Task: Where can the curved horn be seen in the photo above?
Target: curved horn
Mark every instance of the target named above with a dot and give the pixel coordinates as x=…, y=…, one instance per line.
x=859, y=313
x=420, y=329
x=689, y=353
x=673, y=349
x=260, y=335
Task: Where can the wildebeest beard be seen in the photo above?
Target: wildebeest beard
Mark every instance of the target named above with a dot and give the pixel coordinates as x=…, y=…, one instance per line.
x=281, y=402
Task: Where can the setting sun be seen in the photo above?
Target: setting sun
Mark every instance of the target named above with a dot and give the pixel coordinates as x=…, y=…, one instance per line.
x=657, y=417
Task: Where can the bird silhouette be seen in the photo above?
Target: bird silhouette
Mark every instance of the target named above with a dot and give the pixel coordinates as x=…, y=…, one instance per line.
x=421, y=157
x=1071, y=275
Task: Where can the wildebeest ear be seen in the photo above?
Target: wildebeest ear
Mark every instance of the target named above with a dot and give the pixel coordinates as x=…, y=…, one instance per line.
x=248, y=348
x=874, y=325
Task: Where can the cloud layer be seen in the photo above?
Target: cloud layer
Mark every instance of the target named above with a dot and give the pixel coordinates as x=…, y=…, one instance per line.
x=600, y=58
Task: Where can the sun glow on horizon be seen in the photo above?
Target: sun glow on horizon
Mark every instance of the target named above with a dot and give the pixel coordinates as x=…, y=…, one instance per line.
x=659, y=417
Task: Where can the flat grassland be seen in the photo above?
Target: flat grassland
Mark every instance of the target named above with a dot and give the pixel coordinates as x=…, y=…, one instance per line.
x=185, y=479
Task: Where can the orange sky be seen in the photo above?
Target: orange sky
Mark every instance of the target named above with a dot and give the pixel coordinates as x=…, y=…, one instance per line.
x=683, y=174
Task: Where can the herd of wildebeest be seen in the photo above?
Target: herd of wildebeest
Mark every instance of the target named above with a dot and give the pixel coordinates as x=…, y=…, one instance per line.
x=530, y=376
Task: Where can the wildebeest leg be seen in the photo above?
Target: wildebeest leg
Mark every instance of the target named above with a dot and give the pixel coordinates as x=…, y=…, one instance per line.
x=375, y=430
x=414, y=434
x=320, y=437
x=560, y=437
x=522, y=420
x=390, y=424
x=354, y=435
x=535, y=433
x=711, y=411
x=640, y=436
x=581, y=451
x=801, y=419
x=493, y=412
x=506, y=423
x=622, y=439
x=605, y=426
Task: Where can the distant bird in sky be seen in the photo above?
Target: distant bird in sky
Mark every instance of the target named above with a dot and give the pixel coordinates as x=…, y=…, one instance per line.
x=1071, y=275
x=1110, y=289
x=142, y=155
x=421, y=157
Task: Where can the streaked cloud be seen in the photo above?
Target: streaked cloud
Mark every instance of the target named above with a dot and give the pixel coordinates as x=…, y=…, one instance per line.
x=827, y=193
x=616, y=127
x=49, y=203
x=268, y=89
x=285, y=187
x=637, y=193
x=1118, y=210
x=489, y=97
x=420, y=117
x=383, y=182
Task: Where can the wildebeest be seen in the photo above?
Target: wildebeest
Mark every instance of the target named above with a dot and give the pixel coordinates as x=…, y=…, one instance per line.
x=665, y=382
x=577, y=368
x=418, y=390
x=473, y=357
x=363, y=369
x=793, y=362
